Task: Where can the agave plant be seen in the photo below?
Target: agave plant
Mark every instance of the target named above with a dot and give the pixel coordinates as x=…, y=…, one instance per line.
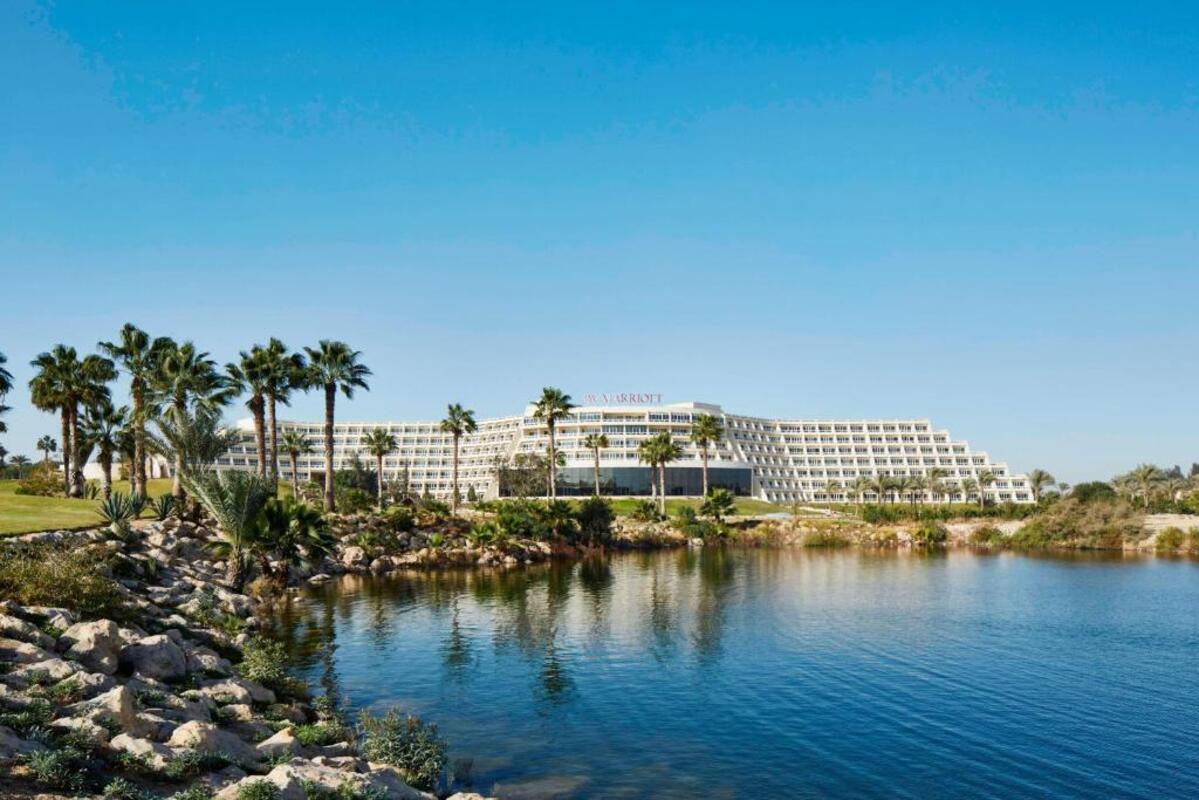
x=116, y=511
x=137, y=504
x=163, y=506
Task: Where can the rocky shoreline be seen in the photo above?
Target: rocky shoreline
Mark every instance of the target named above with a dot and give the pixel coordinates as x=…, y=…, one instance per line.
x=159, y=696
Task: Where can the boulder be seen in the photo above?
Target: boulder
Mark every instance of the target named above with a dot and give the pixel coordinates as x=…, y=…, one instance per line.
x=54, y=669
x=94, y=644
x=156, y=755
x=13, y=747
x=155, y=657
x=208, y=661
x=208, y=738
x=354, y=557
x=236, y=690
x=89, y=730
x=299, y=779
x=17, y=652
x=283, y=743
x=14, y=628
x=119, y=705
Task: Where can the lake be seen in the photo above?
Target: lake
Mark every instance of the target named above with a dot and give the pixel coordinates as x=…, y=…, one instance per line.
x=725, y=673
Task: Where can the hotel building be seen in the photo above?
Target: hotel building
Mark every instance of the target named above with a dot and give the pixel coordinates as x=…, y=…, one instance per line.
x=782, y=461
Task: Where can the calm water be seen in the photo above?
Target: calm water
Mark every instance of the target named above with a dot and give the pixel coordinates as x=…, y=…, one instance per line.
x=747, y=674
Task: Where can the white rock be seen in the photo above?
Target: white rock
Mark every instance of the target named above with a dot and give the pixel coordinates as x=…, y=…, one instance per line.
x=155, y=657
x=283, y=743
x=93, y=644
x=208, y=738
x=156, y=754
x=14, y=628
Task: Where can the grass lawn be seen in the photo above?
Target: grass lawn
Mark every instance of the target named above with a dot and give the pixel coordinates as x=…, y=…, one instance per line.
x=26, y=513
x=623, y=506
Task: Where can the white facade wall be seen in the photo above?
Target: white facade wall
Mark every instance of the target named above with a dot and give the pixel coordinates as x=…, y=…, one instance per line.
x=792, y=460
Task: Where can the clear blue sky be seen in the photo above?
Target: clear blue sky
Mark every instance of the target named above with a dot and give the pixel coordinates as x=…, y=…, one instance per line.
x=986, y=217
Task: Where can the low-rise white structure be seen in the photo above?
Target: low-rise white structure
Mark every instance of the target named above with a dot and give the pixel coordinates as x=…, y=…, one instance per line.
x=783, y=461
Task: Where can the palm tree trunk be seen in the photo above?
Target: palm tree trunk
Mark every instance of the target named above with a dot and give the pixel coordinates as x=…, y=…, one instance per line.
x=295, y=478
x=662, y=487
x=274, y=437
x=66, y=451
x=106, y=475
x=138, y=468
x=704, y=457
x=379, y=479
x=330, y=401
x=597, y=481
x=76, y=454
x=553, y=490
x=256, y=406
x=454, y=488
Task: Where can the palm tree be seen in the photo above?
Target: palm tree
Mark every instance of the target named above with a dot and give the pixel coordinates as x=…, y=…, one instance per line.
x=47, y=445
x=859, y=487
x=102, y=425
x=285, y=372
x=881, y=486
x=985, y=478
x=5, y=388
x=706, y=430
x=333, y=365
x=553, y=405
x=970, y=486
x=1038, y=479
x=249, y=375
x=295, y=444
x=916, y=486
x=596, y=442
x=20, y=462
x=660, y=450
x=831, y=489
x=234, y=499
x=294, y=533
x=138, y=355
x=935, y=480
x=62, y=383
x=186, y=383
x=1145, y=478
x=458, y=421
x=1063, y=488
x=379, y=443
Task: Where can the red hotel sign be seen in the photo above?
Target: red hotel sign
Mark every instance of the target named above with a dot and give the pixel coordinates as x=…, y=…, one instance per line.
x=623, y=399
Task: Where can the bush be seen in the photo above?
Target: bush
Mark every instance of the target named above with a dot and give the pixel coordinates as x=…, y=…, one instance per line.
x=265, y=661
x=400, y=519
x=595, y=517
x=930, y=534
x=261, y=789
x=122, y=789
x=646, y=511
x=58, y=576
x=60, y=768
x=1092, y=492
x=1171, y=539
x=988, y=536
x=687, y=522
x=826, y=538
x=719, y=504
x=321, y=734
x=197, y=792
x=404, y=742
x=43, y=481
x=352, y=500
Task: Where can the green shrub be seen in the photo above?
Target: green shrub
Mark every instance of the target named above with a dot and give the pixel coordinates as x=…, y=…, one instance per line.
x=60, y=768
x=58, y=576
x=404, y=742
x=347, y=790
x=258, y=790
x=35, y=715
x=321, y=734
x=265, y=661
x=646, y=511
x=196, y=792
x=687, y=522
x=122, y=789
x=400, y=519
x=826, y=538
x=189, y=763
x=595, y=517
x=1092, y=492
x=719, y=504
x=930, y=533
x=43, y=481
x=987, y=536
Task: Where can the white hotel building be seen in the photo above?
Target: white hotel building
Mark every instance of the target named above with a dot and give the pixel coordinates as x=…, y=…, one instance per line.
x=777, y=460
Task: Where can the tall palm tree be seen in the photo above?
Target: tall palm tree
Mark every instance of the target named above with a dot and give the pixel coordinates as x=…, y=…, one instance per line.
x=185, y=382
x=706, y=430
x=647, y=454
x=138, y=355
x=553, y=405
x=127, y=448
x=458, y=421
x=970, y=486
x=249, y=375
x=1063, y=488
x=1146, y=478
x=881, y=486
x=831, y=489
x=379, y=443
x=859, y=487
x=985, y=478
x=916, y=486
x=47, y=445
x=661, y=450
x=295, y=444
x=596, y=442
x=102, y=425
x=332, y=366
x=1038, y=479
x=935, y=480
x=285, y=373
x=20, y=462
x=5, y=388
x=63, y=382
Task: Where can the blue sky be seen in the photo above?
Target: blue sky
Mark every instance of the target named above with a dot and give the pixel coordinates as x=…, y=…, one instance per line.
x=985, y=217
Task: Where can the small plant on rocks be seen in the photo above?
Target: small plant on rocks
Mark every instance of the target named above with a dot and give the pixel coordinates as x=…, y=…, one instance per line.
x=404, y=742
x=258, y=790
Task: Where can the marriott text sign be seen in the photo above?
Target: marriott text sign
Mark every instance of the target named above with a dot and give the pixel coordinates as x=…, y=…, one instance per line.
x=623, y=399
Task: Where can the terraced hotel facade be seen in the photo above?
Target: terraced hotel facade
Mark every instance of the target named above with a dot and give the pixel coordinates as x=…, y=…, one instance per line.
x=776, y=460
